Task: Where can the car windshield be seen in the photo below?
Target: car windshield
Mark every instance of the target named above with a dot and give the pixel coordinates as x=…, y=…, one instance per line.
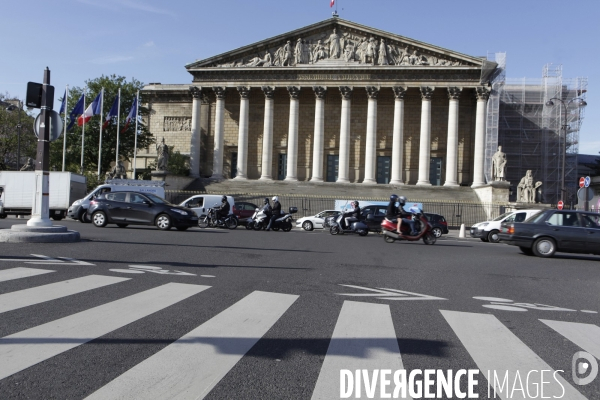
x=500, y=218
x=538, y=218
x=156, y=199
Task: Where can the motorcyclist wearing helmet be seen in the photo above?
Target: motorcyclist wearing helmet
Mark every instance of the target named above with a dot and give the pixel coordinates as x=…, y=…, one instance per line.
x=405, y=217
x=266, y=208
x=223, y=209
x=276, y=211
x=351, y=215
x=393, y=211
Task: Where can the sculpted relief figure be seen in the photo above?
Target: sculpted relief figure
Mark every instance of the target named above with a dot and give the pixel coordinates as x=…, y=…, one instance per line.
x=162, y=151
x=383, y=55
x=319, y=52
x=299, y=53
x=117, y=172
x=371, y=52
x=527, y=188
x=349, y=52
x=334, y=45
x=498, y=165
x=257, y=61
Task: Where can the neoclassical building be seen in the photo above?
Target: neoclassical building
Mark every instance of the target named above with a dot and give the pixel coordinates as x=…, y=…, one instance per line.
x=331, y=102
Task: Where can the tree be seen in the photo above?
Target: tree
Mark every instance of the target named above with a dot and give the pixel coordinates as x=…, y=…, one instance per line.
x=9, y=133
x=111, y=85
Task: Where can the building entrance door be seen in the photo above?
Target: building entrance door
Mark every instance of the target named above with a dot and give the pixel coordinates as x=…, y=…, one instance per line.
x=435, y=171
x=333, y=161
x=383, y=169
x=233, y=172
x=282, y=167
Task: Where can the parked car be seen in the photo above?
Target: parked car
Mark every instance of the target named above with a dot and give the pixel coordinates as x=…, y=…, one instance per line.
x=133, y=208
x=373, y=223
x=439, y=225
x=243, y=210
x=488, y=231
x=316, y=221
x=552, y=230
x=202, y=202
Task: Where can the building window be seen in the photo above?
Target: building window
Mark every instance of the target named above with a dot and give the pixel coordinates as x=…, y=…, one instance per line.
x=233, y=172
x=435, y=171
x=282, y=167
x=383, y=169
x=333, y=162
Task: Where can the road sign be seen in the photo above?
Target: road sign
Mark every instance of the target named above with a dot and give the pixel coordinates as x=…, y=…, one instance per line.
x=585, y=194
x=34, y=95
x=587, y=181
x=560, y=205
x=56, y=125
x=581, y=182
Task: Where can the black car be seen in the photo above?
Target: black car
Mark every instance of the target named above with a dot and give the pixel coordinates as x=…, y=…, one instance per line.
x=133, y=208
x=438, y=223
x=552, y=230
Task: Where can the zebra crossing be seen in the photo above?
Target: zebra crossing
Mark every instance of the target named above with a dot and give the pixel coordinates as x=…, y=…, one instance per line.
x=364, y=338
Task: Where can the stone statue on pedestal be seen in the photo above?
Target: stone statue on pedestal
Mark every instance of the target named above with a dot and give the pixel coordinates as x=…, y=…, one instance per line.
x=162, y=151
x=499, y=165
x=29, y=165
x=527, y=188
x=117, y=172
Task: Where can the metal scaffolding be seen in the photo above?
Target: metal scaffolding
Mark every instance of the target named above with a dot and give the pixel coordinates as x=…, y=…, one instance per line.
x=531, y=135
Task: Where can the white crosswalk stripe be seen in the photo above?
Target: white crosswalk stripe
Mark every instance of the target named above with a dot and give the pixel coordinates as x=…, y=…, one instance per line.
x=193, y=365
x=21, y=272
x=495, y=348
x=28, y=297
x=24, y=349
x=586, y=336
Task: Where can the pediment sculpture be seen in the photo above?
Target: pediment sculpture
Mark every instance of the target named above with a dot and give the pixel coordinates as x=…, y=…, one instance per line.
x=343, y=47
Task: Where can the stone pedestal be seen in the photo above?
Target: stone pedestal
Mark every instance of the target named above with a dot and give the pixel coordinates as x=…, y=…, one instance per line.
x=495, y=192
x=158, y=175
x=23, y=233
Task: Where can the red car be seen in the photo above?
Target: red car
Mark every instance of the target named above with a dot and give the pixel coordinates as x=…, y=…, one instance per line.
x=243, y=210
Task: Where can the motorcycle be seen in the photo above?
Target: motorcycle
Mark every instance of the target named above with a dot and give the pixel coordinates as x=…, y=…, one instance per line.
x=211, y=220
x=355, y=227
x=422, y=225
x=284, y=222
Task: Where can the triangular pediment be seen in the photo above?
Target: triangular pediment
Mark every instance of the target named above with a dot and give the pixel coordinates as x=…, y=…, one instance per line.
x=335, y=42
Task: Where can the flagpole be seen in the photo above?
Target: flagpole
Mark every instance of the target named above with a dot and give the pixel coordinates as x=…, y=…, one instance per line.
x=137, y=108
x=65, y=130
x=82, y=133
x=100, y=141
x=118, y=127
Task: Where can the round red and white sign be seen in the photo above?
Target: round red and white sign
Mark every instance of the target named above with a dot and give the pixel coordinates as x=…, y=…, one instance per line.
x=560, y=205
x=581, y=182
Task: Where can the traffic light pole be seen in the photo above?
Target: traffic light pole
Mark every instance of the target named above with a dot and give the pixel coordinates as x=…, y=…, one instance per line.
x=40, y=210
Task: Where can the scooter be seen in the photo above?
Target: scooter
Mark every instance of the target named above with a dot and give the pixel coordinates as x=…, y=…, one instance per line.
x=355, y=227
x=210, y=219
x=284, y=222
x=390, y=233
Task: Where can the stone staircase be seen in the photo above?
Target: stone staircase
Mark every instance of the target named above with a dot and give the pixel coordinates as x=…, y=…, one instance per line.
x=463, y=194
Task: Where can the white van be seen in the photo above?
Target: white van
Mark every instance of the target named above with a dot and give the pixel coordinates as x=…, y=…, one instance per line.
x=200, y=203
x=488, y=231
x=78, y=209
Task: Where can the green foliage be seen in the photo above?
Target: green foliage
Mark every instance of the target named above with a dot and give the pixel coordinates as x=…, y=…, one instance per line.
x=9, y=134
x=179, y=164
x=92, y=180
x=111, y=85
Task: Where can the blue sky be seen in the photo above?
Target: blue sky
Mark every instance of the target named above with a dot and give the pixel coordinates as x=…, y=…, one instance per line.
x=152, y=40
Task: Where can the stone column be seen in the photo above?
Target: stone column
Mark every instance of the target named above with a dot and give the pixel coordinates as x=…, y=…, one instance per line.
x=371, y=141
x=482, y=94
x=318, y=145
x=219, y=133
x=398, y=136
x=242, y=157
x=267, y=148
x=425, y=140
x=196, y=93
x=344, y=157
x=452, y=146
x=292, y=150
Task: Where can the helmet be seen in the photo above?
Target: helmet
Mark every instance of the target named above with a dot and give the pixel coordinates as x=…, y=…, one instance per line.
x=394, y=198
x=402, y=200
x=266, y=200
x=355, y=203
x=224, y=199
x=275, y=198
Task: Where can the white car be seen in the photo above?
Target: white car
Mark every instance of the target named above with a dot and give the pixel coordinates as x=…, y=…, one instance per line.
x=202, y=202
x=488, y=231
x=316, y=221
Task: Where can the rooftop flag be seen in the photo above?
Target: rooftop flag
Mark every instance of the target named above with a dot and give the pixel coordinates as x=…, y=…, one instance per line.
x=132, y=114
x=331, y=3
x=112, y=113
x=78, y=109
x=93, y=109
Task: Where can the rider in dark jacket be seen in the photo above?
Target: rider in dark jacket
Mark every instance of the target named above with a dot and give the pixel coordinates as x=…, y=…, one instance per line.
x=223, y=209
x=351, y=215
x=405, y=217
x=266, y=208
x=276, y=211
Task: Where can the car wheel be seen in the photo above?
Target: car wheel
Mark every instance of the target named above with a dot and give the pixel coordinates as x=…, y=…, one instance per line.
x=544, y=247
x=99, y=219
x=257, y=226
x=388, y=239
x=203, y=222
x=163, y=222
x=526, y=250
x=307, y=226
x=429, y=238
x=437, y=232
x=484, y=239
x=122, y=225
x=231, y=223
x=182, y=228
x=83, y=217
x=334, y=230
x=2, y=216
x=363, y=232
x=287, y=226
x=493, y=236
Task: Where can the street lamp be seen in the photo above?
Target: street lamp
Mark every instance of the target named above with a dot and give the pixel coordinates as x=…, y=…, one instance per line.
x=580, y=103
x=12, y=108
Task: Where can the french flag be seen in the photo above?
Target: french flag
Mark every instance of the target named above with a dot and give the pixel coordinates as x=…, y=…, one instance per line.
x=331, y=3
x=132, y=114
x=112, y=113
x=78, y=109
x=93, y=109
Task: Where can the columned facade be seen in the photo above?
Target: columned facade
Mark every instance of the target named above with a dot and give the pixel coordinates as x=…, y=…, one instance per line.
x=292, y=154
x=267, y=145
x=371, y=142
x=398, y=136
x=452, y=144
x=319, y=134
x=425, y=140
x=482, y=94
x=196, y=93
x=344, y=155
x=219, y=132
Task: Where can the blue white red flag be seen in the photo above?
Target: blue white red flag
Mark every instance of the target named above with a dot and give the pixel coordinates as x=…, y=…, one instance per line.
x=93, y=109
x=78, y=109
x=132, y=114
x=63, y=104
x=112, y=113
x=331, y=3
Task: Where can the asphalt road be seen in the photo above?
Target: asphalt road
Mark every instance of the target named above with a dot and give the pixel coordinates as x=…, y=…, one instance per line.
x=240, y=314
